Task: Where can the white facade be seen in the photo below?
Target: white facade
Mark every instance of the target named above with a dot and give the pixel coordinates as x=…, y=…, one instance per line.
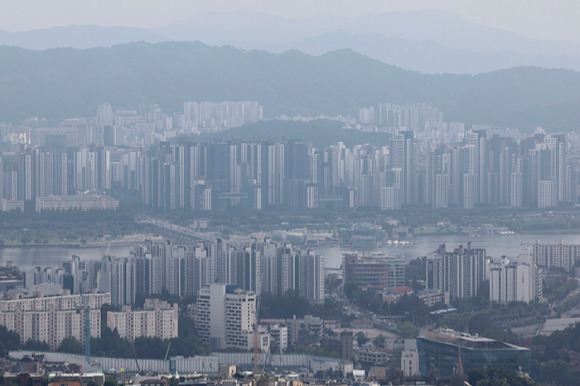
x=284, y=268
x=312, y=197
x=226, y=316
x=410, y=363
x=279, y=334
x=52, y=319
x=158, y=319
x=547, y=194
x=225, y=115
x=517, y=281
x=64, y=302
x=555, y=255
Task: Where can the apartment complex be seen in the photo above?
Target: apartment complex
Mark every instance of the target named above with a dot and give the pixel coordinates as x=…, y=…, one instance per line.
x=54, y=318
x=221, y=115
x=79, y=202
x=459, y=272
x=424, y=161
x=478, y=169
x=158, y=266
x=158, y=319
x=520, y=280
x=555, y=255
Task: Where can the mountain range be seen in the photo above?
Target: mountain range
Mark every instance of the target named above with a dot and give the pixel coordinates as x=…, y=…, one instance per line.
x=66, y=82
x=426, y=41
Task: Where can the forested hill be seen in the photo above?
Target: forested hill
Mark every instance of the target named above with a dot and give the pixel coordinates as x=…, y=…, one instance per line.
x=61, y=83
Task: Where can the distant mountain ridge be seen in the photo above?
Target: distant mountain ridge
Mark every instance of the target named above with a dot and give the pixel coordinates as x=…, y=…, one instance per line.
x=426, y=41
x=443, y=27
x=426, y=56
x=63, y=83
x=78, y=36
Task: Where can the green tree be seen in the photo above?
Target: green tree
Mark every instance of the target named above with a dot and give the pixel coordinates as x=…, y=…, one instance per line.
x=408, y=330
x=110, y=381
x=36, y=346
x=380, y=340
x=331, y=282
x=416, y=269
x=498, y=376
x=361, y=339
x=70, y=345
x=9, y=340
x=351, y=289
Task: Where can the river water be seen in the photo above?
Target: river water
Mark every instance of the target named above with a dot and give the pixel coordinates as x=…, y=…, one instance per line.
x=425, y=245
x=32, y=256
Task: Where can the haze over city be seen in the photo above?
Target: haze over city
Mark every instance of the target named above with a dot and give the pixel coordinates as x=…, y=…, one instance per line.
x=290, y=193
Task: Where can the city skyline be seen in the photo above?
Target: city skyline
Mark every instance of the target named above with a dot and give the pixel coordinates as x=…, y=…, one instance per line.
x=423, y=160
x=322, y=192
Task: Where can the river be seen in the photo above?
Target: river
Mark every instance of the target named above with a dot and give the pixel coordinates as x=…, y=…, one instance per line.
x=32, y=256
x=425, y=245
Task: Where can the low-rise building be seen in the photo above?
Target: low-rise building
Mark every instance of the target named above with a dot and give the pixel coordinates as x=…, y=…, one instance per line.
x=371, y=356
x=432, y=297
x=78, y=202
x=279, y=335
x=441, y=351
x=310, y=326
x=10, y=205
x=410, y=359
x=343, y=344
x=366, y=273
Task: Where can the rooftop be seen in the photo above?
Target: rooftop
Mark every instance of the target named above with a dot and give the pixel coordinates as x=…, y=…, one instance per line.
x=467, y=341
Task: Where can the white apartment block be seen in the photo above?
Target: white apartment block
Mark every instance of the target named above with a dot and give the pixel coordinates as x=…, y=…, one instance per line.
x=78, y=202
x=158, y=319
x=410, y=363
x=279, y=334
x=225, y=316
x=516, y=281
x=555, y=255
x=61, y=302
x=9, y=205
x=547, y=194
x=52, y=319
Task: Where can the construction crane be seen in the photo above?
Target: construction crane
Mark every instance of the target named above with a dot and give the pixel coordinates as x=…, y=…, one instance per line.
x=265, y=359
x=135, y=355
x=167, y=354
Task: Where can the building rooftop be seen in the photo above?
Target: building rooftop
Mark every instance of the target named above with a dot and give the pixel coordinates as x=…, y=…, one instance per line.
x=402, y=290
x=551, y=325
x=467, y=341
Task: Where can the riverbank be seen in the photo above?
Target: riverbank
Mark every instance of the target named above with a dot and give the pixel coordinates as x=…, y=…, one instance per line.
x=120, y=241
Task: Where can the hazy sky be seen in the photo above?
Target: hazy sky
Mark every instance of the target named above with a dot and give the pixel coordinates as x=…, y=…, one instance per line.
x=544, y=19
